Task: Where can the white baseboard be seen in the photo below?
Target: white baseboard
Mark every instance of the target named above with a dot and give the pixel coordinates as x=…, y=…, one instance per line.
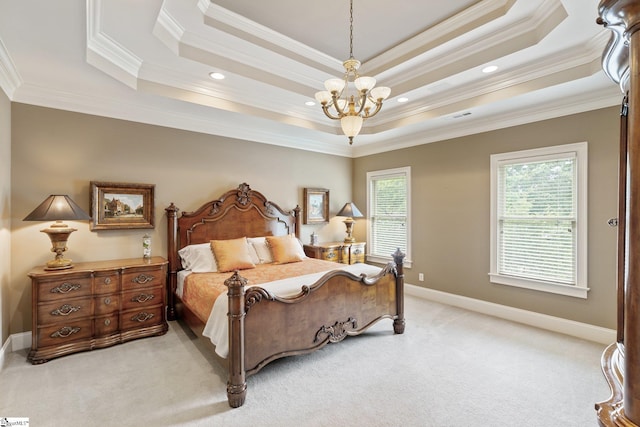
x=542, y=321
x=15, y=342
x=556, y=324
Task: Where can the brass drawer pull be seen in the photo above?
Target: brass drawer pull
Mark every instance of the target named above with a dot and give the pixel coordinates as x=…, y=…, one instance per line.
x=65, y=288
x=142, y=317
x=65, y=332
x=107, y=322
x=141, y=279
x=107, y=280
x=65, y=310
x=142, y=298
x=107, y=301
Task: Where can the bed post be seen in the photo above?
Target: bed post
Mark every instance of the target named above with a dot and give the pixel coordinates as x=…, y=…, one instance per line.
x=172, y=253
x=296, y=214
x=236, y=384
x=398, y=322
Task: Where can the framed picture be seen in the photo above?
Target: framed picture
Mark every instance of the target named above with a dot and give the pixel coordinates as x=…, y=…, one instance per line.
x=316, y=205
x=118, y=205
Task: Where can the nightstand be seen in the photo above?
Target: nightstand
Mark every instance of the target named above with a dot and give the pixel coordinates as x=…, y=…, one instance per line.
x=345, y=253
x=95, y=305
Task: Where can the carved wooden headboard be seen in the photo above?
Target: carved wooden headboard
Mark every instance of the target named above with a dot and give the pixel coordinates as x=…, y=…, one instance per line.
x=241, y=212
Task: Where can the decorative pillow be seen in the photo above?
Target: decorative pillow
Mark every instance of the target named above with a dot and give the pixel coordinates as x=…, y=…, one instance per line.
x=198, y=258
x=232, y=254
x=259, y=245
x=285, y=249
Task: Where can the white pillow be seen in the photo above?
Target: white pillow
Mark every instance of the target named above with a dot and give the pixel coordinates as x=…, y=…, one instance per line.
x=252, y=253
x=198, y=258
x=262, y=251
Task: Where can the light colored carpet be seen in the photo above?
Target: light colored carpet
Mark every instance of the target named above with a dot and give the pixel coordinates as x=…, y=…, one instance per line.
x=450, y=368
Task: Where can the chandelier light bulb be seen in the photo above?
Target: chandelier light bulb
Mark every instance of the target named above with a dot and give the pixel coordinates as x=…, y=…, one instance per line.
x=335, y=85
x=365, y=83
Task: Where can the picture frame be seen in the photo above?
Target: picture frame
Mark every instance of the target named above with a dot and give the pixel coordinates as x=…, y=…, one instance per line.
x=116, y=205
x=316, y=206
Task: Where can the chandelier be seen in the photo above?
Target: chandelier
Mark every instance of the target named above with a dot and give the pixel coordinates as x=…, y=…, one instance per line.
x=353, y=97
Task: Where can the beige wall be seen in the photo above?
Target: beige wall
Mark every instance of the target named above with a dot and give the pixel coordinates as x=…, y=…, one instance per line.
x=450, y=212
x=55, y=151
x=58, y=151
x=5, y=214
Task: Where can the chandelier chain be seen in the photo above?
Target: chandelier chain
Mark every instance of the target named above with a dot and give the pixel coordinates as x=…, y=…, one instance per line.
x=351, y=29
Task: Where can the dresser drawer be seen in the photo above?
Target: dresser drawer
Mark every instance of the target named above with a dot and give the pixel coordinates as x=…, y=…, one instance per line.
x=142, y=318
x=357, y=253
x=64, y=311
x=143, y=278
x=62, y=289
x=106, y=282
x=62, y=333
x=106, y=304
x=330, y=254
x=106, y=325
x=145, y=297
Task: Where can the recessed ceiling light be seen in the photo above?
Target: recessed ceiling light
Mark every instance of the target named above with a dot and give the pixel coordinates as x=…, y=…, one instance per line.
x=216, y=76
x=403, y=99
x=490, y=69
x=310, y=103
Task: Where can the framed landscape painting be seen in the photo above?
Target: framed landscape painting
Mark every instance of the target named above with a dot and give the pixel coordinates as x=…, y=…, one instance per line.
x=121, y=205
x=316, y=205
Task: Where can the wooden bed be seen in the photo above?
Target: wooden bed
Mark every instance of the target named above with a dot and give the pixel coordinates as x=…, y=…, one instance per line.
x=262, y=326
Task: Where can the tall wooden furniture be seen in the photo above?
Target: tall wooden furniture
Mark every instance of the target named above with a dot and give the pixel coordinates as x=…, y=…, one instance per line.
x=621, y=360
x=96, y=304
x=345, y=253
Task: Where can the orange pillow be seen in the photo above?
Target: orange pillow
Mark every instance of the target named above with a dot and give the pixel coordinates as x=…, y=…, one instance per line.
x=232, y=254
x=285, y=249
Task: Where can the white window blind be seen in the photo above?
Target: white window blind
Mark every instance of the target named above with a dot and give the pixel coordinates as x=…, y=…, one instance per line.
x=537, y=219
x=538, y=226
x=388, y=212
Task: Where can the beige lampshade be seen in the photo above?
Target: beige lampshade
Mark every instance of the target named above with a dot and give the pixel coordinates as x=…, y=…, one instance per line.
x=57, y=207
x=350, y=210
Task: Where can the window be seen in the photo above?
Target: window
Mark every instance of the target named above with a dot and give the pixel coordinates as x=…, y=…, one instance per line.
x=389, y=202
x=539, y=219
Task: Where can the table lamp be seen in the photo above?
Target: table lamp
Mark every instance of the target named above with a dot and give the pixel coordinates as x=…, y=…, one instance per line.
x=350, y=211
x=58, y=208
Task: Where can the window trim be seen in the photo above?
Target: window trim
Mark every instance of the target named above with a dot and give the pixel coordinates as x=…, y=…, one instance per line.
x=406, y=171
x=580, y=289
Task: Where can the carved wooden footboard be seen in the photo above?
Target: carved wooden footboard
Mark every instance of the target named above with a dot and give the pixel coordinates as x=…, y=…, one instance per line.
x=263, y=327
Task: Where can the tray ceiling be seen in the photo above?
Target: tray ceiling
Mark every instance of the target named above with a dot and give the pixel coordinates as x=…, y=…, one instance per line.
x=149, y=61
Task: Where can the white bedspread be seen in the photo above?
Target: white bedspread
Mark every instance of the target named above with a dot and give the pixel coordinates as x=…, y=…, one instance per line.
x=217, y=327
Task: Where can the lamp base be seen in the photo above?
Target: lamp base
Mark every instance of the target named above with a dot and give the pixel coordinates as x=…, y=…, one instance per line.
x=349, y=223
x=59, y=264
x=59, y=234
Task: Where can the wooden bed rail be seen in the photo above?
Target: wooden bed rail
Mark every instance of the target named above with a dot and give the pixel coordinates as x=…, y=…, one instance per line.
x=381, y=296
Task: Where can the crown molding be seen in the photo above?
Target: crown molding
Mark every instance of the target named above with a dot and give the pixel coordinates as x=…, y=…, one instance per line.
x=196, y=119
x=105, y=53
x=218, y=17
x=10, y=79
x=603, y=98
x=468, y=20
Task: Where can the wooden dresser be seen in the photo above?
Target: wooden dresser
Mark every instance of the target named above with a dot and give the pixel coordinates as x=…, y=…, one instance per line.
x=95, y=305
x=345, y=253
